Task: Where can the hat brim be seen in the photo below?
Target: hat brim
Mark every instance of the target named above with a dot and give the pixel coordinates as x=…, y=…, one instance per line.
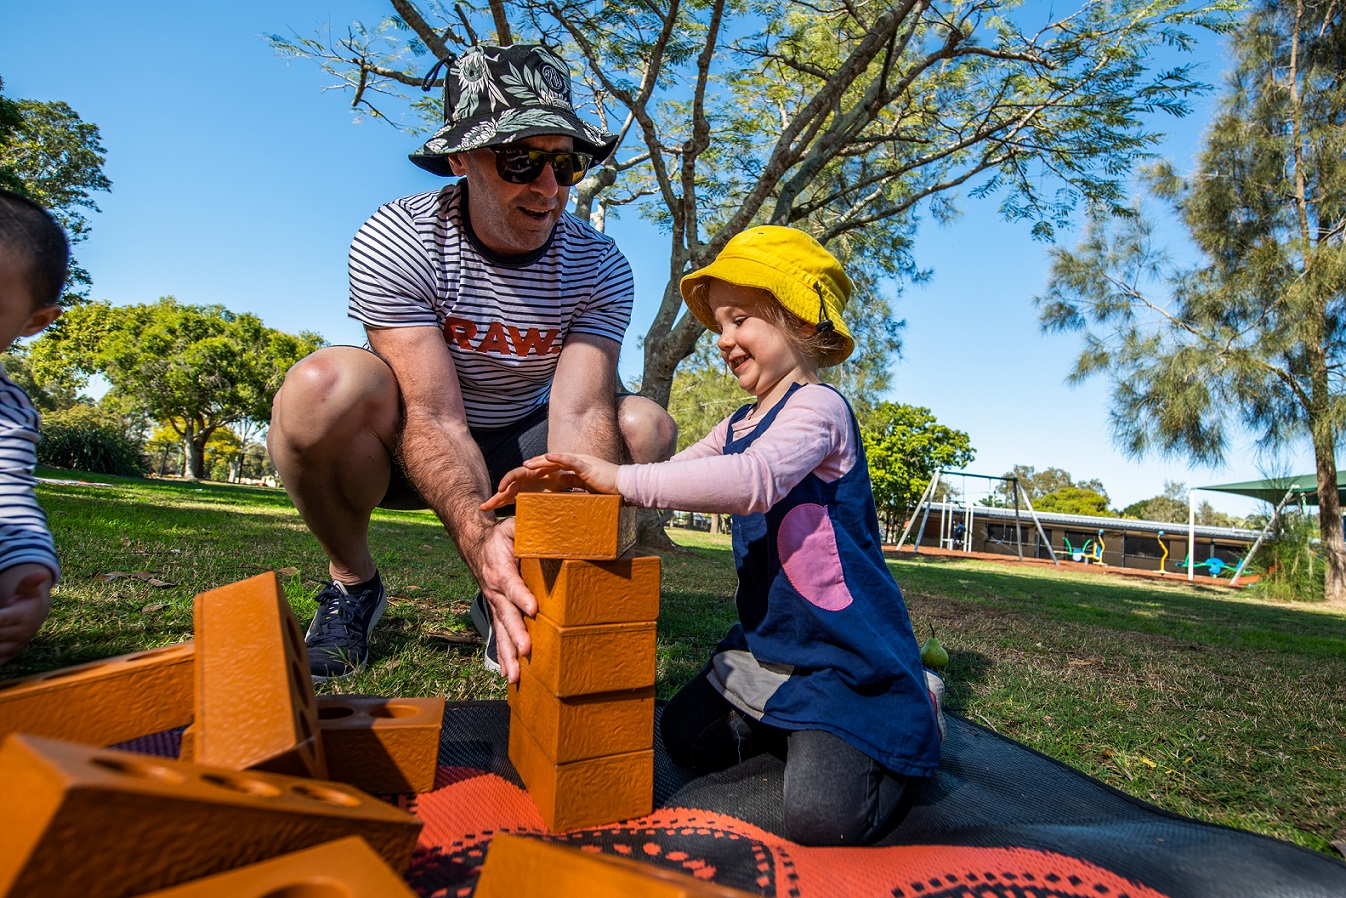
x=476, y=134
x=748, y=272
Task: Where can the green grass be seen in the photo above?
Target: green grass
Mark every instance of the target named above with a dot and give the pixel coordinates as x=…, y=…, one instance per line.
x=1202, y=700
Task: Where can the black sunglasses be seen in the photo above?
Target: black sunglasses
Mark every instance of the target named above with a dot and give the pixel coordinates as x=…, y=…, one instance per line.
x=521, y=165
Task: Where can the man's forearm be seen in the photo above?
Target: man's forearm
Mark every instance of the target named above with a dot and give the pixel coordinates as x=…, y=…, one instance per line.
x=445, y=465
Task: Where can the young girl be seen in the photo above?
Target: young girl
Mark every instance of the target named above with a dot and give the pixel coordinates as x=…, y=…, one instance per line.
x=823, y=662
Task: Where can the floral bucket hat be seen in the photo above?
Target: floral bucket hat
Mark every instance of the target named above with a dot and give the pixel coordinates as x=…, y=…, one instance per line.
x=498, y=95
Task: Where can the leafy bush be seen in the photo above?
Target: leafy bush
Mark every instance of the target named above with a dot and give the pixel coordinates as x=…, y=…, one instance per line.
x=1289, y=563
x=87, y=438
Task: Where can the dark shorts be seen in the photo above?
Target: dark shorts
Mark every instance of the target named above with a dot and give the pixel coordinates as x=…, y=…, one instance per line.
x=504, y=449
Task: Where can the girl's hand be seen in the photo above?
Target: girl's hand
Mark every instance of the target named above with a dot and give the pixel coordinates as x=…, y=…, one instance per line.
x=597, y=475
x=533, y=476
x=556, y=472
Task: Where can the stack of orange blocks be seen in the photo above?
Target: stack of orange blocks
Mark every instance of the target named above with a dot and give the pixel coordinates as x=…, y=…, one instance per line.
x=581, y=732
x=248, y=807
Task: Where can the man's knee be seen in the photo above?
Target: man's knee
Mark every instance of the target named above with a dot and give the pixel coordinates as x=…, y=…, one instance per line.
x=339, y=388
x=649, y=432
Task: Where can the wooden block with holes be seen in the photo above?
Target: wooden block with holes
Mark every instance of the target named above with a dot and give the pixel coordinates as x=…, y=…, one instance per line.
x=104, y=702
x=346, y=868
x=576, y=593
x=254, y=695
x=572, y=525
x=571, y=661
x=381, y=745
x=587, y=726
x=101, y=823
x=583, y=793
x=519, y=867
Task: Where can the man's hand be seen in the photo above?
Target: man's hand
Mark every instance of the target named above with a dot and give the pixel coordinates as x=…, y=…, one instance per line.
x=510, y=600
x=25, y=600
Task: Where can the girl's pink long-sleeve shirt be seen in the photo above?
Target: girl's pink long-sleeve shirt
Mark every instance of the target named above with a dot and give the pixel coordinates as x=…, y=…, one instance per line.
x=812, y=434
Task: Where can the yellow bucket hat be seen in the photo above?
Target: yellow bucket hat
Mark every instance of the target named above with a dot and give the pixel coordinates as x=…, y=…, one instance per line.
x=804, y=278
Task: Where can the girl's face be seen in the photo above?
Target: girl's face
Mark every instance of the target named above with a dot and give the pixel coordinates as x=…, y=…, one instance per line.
x=755, y=349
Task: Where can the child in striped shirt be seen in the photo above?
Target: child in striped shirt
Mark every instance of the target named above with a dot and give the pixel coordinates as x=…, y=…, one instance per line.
x=34, y=257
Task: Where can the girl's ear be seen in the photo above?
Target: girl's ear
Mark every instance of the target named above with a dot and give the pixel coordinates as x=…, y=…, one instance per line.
x=40, y=319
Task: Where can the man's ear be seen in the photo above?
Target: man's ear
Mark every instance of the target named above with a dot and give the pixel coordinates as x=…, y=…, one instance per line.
x=40, y=319
x=456, y=164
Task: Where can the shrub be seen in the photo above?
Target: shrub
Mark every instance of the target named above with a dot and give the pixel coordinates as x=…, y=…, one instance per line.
x=87, y=438
x=1289, y=563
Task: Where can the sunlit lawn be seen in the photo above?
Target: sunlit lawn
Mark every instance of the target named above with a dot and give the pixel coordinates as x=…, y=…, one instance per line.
x=1195, y=698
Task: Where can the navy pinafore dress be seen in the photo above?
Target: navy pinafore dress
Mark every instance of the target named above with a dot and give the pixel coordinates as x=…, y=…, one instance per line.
x=823, y=640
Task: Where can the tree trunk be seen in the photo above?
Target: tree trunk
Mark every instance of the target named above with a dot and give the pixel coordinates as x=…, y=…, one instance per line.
x=198, y=460
x=650, y=533
x=190, y=470
x=1329, y=523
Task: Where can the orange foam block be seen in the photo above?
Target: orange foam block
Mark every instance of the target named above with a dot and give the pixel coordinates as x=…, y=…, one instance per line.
x=101, y=823
x=254, y=695
x=106, y=701
x=346, y=868
x=572, y=525
x=572, y=661
x=381, y=745
x=583, y=793
x=579, y=593
x=589, y=726
x=519, y=867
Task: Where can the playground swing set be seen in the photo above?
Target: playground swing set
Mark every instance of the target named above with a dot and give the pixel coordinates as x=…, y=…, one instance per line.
x=956, y=529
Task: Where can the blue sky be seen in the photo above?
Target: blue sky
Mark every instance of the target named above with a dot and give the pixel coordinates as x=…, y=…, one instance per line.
x=237, y=180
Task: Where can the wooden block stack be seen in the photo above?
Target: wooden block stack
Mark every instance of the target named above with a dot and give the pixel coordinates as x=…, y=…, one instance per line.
x=581, y=730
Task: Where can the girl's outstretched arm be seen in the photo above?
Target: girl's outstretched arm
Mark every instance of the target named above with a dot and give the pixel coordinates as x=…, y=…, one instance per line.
x=555, y=471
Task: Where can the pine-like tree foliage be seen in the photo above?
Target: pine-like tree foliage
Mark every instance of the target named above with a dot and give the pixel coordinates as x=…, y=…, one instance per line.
x=1252, y=335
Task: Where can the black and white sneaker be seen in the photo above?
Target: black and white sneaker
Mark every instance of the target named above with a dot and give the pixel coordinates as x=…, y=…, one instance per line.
x=481, y=619
x=338, y=638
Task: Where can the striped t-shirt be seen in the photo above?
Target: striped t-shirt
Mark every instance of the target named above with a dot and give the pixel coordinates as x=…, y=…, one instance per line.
x=24, y=537
x=416, y=263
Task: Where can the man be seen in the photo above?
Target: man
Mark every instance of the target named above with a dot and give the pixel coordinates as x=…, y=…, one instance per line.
x=494, y=320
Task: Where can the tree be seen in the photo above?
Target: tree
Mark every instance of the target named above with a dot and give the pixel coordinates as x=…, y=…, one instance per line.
x=192, y=368
x=842, y=119
x=47, y=396
x=905, y=445
x=1170, y=506
x=1037, y=484
x=1252, y=334
x=50, y=154
x=1074, y=500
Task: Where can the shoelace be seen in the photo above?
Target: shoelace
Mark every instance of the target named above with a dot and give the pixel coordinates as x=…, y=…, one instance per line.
x=334, y=608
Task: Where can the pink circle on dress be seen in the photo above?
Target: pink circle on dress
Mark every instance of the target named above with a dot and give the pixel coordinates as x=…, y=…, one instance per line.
x=807, y=546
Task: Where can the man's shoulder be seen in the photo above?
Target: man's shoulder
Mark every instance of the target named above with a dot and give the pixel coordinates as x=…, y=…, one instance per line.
x=417, y=206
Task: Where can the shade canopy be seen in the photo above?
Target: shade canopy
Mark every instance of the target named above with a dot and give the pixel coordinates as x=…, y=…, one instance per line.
x=1273, y=489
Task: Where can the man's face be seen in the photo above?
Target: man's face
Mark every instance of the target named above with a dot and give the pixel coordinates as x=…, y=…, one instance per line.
x=512, y=219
